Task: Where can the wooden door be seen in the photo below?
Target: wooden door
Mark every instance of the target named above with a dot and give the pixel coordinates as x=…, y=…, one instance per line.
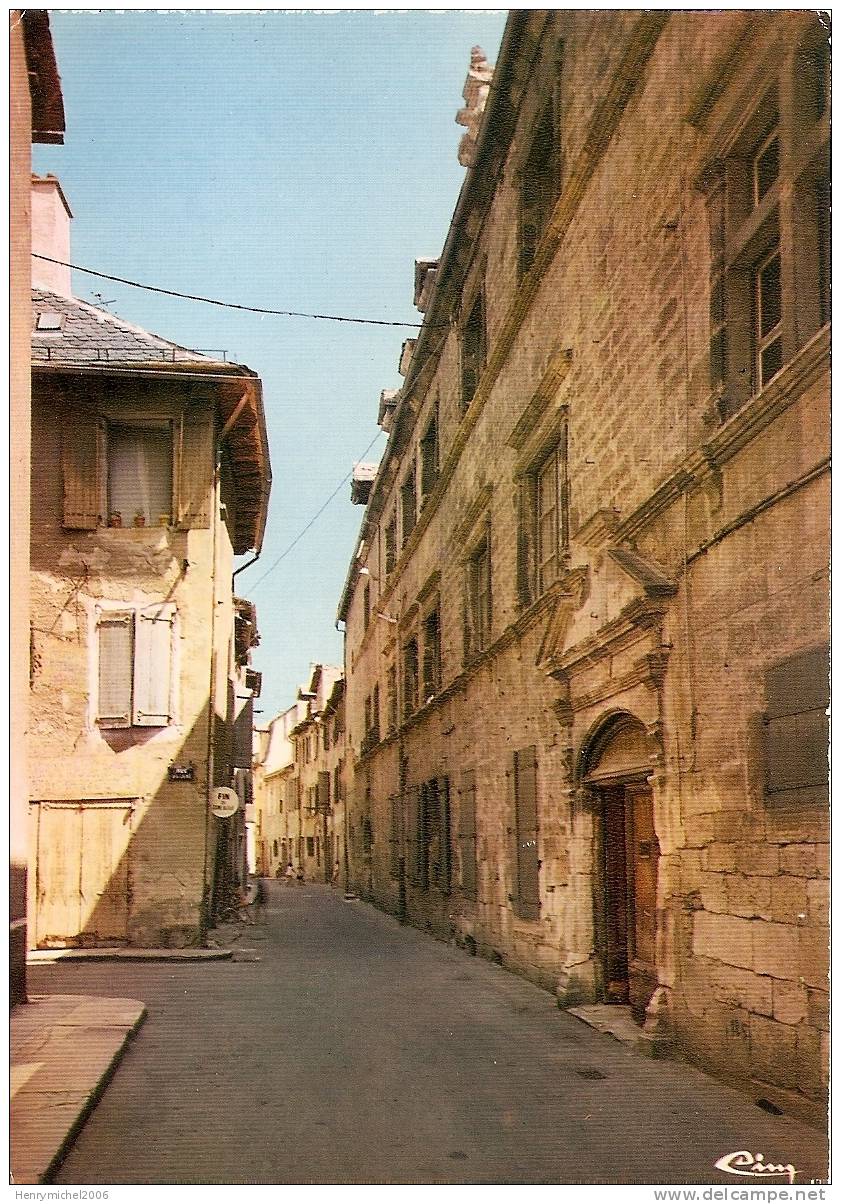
x=104, y=882
x=643, y=857
x=58, y=904
x=81, y=872
x=615, y=897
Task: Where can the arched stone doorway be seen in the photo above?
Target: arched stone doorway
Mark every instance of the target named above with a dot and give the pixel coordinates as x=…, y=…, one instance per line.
x=615, y=770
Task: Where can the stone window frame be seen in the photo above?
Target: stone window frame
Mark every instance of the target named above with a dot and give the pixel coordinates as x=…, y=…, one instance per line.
x=410, y=673
x=431, y=651
x=472, y=343
x=749, y=222
x=553, y=443
x=478, y=624
x=429, y=455
x=539, y=178
x=408, y=502
x=390, y=544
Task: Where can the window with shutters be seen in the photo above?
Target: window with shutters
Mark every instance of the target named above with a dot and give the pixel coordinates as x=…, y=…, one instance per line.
x=539, y=184
x=473, y=349
x=413, y=832
x=478, y=598
x=543, y=534
x=431, y=655
x=137, y=472
x=433, y=836
x=323, y=795
x=310, y=846
x=408, y=505
x=391, y=545
x=467, y=834
x=767, y=202
x=134, y=657
x=395, y=835
x=797, y=730
x=391, y=698
x=526, y=899
x=429, y=456
x=410, y=676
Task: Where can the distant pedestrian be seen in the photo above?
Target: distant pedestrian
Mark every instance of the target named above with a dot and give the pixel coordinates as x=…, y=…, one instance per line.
x=290, y=874
x=335, y=877
x=259, y=899
x=300, y=875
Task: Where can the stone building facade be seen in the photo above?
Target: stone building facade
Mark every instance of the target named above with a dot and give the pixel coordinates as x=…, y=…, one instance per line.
x=150, y=472
x=586, y=649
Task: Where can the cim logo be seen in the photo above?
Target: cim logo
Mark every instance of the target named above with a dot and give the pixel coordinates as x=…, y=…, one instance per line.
x=753, y=1166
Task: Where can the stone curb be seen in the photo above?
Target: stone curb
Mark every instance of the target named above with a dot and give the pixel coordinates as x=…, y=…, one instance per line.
x=81, y=1040
x=38, y=957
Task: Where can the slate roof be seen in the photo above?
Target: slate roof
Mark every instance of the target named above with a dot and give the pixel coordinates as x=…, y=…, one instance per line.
x=93, y=336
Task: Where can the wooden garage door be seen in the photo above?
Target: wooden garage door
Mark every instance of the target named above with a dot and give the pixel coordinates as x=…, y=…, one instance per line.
x=81, y=894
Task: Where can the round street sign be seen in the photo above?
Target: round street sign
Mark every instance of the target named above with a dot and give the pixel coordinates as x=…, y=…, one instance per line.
x=224, y=802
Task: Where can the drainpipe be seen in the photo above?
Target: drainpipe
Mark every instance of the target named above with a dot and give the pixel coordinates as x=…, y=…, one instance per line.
x=211, y=708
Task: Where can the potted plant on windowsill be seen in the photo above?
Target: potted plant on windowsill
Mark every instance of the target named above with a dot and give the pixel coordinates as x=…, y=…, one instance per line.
x=115, y=519
x=140, y=519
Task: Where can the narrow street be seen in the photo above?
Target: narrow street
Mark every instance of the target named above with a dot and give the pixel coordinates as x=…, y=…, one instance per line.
x=359, y=1051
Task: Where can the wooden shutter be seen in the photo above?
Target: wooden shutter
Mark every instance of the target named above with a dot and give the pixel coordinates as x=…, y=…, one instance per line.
x=525, y=802
x=467, y=833
x=797, y=727
x=526, y=502
x=82, y=469
x=153, y=665
x=413, y=817
x=323, y=792
x=115, y=632
x=394, y=836
x=243, y=733
x=444, y=871
x=195, y=465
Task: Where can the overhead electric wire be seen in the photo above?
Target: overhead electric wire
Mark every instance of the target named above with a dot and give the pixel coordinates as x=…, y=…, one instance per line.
x=317, y=515
x=252, y=309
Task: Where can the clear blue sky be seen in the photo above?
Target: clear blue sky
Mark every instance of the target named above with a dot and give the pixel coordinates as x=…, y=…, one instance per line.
x=285, y=159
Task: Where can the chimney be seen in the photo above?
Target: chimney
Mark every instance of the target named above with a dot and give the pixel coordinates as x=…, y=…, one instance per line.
x=51, y=216
x=475, y=93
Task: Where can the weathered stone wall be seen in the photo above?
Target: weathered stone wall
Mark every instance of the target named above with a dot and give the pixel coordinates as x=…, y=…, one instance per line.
x=20, y=322
x=170, y=851
x=610, y=332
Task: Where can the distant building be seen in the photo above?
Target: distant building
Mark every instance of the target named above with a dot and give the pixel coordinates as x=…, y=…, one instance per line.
x=298, y=785
x=586, y=649
x=150, y=472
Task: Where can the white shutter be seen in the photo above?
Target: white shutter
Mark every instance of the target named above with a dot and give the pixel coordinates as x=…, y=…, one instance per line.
x=153, y=665
x=116, y=640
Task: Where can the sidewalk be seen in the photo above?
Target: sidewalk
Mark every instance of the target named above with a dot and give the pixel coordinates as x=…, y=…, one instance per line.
x=63, y=1051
